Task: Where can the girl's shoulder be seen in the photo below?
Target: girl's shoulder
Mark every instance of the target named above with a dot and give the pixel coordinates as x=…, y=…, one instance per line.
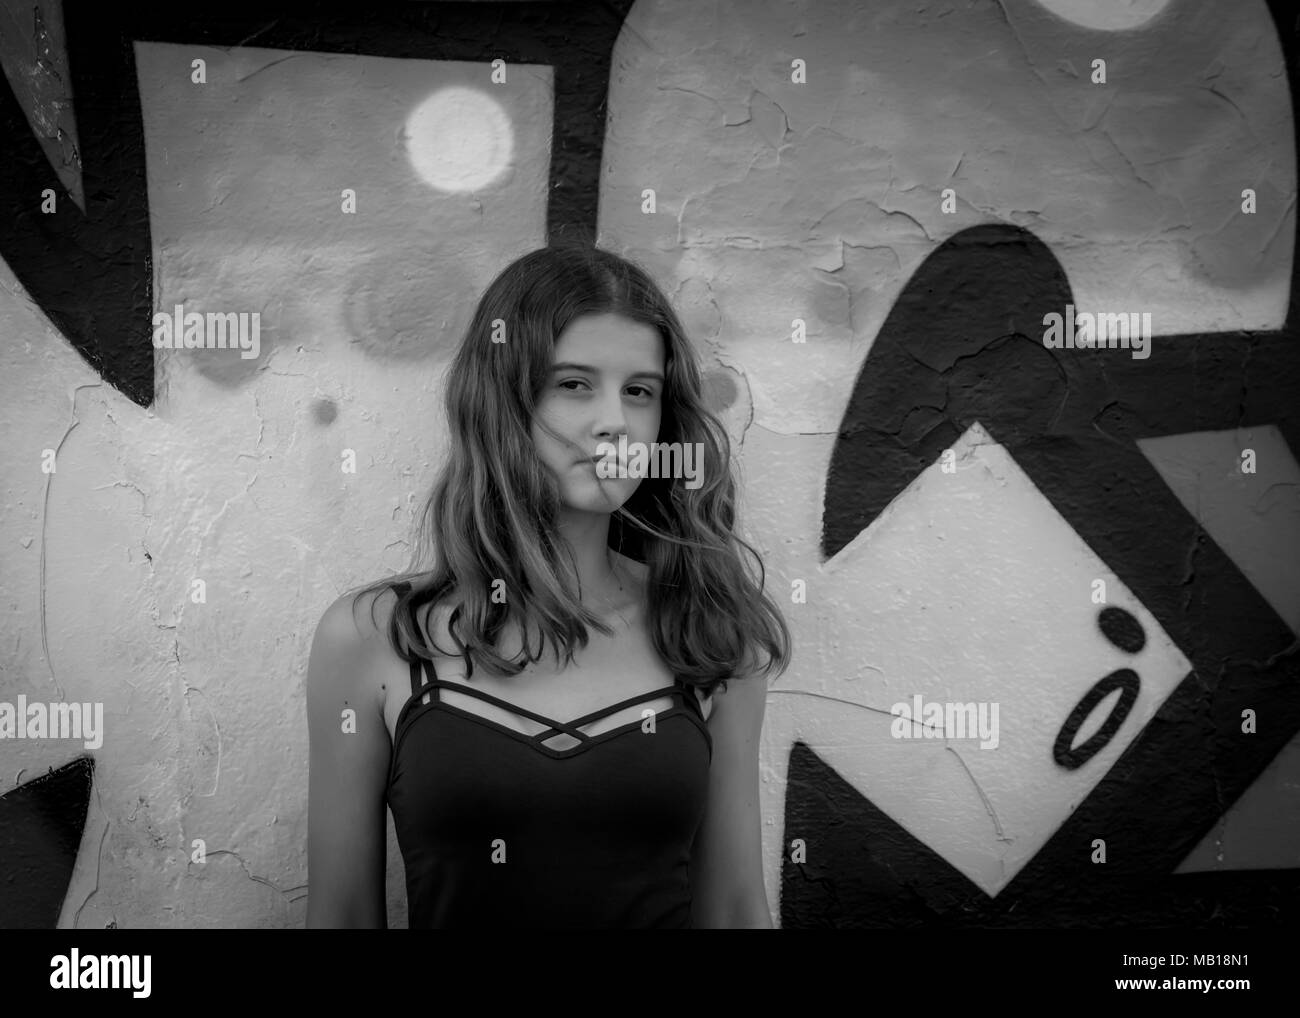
x=372, y=606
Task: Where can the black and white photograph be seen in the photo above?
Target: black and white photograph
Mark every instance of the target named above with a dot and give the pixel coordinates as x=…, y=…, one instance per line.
x=677, y=464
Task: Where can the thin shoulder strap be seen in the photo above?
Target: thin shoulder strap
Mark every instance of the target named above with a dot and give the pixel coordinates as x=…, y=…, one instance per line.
x=689, y=695
x=420, y=669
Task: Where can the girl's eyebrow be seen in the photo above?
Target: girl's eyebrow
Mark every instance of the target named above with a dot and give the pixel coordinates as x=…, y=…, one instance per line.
x=570, y=366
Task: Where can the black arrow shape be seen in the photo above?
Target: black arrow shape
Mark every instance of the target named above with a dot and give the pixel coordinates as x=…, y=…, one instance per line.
x=40, y=831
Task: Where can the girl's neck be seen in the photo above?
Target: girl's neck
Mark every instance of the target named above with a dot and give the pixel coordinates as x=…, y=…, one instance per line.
x=599, y=576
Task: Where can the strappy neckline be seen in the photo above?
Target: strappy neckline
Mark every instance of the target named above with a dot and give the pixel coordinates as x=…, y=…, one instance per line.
x=425, y=682
x=430, y=685
x=570, y=728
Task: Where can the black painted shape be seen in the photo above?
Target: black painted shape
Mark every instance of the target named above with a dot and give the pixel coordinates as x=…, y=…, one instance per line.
x=864, y=871
x=92, y=273
x=89, y=272
x=1072, y=757
x=40, y=831
x=1122, y=629
x=962, y=344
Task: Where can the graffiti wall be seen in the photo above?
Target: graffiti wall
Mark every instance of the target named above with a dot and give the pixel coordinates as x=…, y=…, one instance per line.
x=995, y=298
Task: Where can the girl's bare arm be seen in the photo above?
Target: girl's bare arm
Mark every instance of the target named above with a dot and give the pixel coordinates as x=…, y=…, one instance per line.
x=348, y=771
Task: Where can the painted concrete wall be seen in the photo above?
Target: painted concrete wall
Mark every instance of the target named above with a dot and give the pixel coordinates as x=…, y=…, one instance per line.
x=947, y=509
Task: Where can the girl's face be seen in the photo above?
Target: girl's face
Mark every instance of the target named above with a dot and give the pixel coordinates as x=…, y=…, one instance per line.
x=606, y=380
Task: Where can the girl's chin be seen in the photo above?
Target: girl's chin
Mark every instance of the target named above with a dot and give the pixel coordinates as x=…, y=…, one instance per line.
x=609, y=496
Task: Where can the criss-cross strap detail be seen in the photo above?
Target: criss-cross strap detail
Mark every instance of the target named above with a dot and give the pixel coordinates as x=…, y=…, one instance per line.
x=425, y=698
x=429, y=684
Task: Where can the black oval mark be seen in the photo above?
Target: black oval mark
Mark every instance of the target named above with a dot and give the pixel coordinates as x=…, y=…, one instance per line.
x=1072, y=758
x=1122, y=629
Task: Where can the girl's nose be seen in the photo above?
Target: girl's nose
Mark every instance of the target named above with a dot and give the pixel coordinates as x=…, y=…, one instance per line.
x=611, y=419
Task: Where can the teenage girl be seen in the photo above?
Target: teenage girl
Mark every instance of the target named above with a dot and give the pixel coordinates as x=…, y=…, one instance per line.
x=563, y=712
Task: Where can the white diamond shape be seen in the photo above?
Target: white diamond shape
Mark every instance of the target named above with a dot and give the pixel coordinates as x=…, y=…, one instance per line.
x=971, y=587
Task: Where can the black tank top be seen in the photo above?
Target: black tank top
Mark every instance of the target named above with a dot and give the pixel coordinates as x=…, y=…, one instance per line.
x=498, y=830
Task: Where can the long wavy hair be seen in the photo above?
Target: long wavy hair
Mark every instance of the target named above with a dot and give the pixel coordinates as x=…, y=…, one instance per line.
x=493, y=510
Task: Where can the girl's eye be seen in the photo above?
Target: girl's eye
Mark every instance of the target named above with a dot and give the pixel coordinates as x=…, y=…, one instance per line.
x=643, y=392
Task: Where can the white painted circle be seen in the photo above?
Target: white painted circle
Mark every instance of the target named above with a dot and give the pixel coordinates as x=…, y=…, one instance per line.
x=1106, y=15
x=459, y=139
